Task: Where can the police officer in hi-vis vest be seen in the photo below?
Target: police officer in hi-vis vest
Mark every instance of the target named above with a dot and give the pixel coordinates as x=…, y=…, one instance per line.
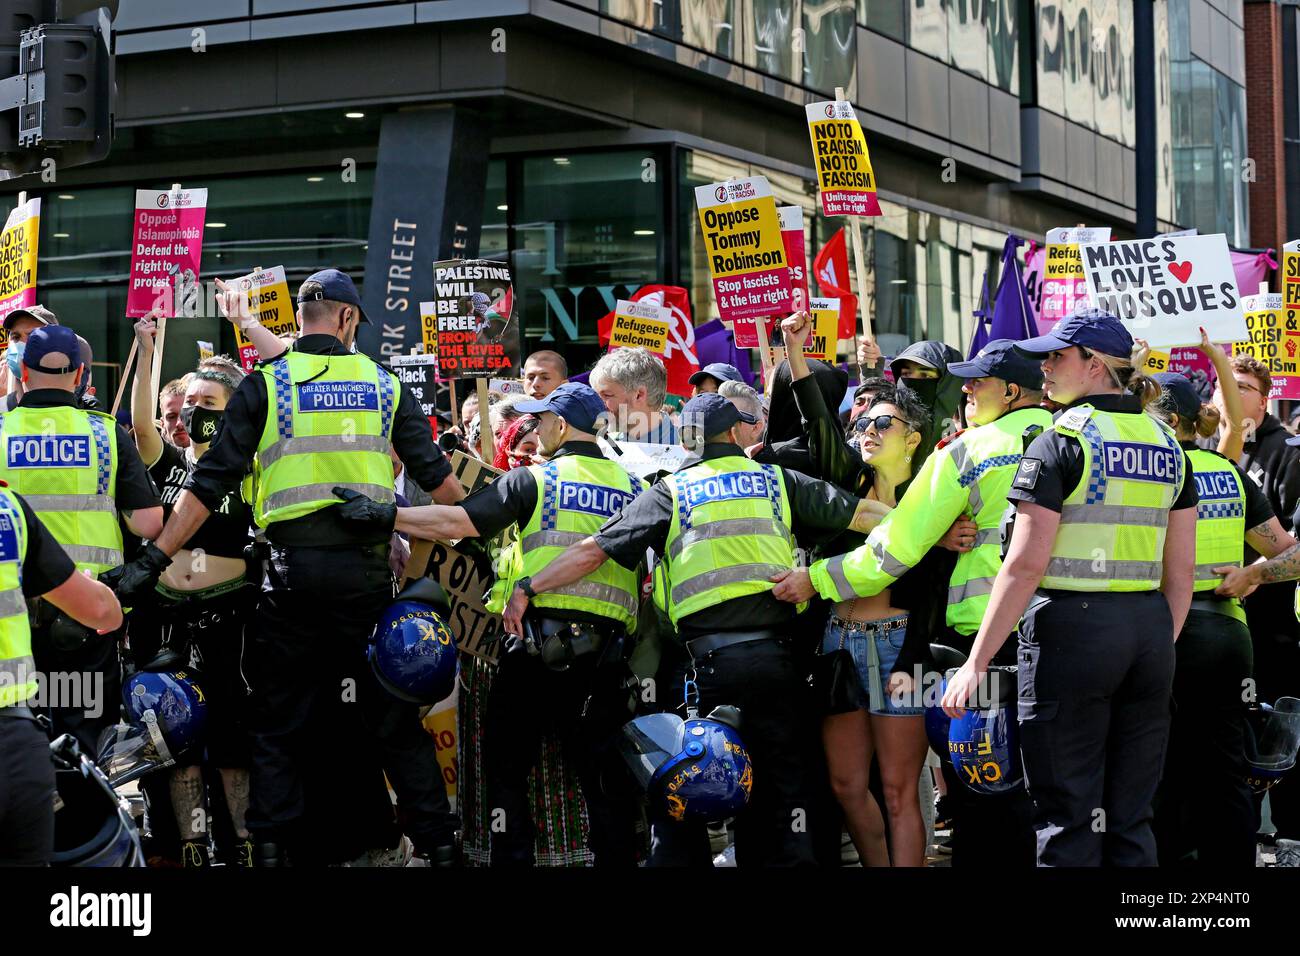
x=1100, y=564
x=569, y=674
x=79, y=471
x=724, y=529
x=958, y=497
x=32, y=565
x=319, y=417
x=1205, y=805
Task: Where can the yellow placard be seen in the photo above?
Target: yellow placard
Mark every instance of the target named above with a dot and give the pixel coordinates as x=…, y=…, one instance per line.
x=640, y=324
x=845, y=180
x=206, y=351
x=742, y=236
x=440, y=724
x=270, y=303
x=1274, y=341
x=18, y=260
x=1062, y=261
x=429, y=327
x=824, y=340
x=1156, y=362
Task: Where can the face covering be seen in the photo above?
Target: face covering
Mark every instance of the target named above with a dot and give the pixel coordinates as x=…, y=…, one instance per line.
x=14, y=357
x=926, y=389
x=201, y=423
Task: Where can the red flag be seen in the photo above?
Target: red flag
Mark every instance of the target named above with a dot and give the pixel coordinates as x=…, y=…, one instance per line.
x=831, y=267
x=680, y=358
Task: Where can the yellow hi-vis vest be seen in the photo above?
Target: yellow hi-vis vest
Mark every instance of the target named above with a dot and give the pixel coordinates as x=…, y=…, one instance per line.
x=329, y=423
x=1220, y=521
x=63, y=461
x=970, y=475
x=576, y=494
x=17, y=669
x=1112, y=531
x=730, y=532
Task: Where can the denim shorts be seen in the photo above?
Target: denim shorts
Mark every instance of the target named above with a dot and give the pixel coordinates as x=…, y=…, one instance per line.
x=874, y=646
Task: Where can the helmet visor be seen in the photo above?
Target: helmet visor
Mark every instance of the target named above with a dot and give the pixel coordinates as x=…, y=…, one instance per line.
x=649, y=742
x=127, y=752
x=1273, y=735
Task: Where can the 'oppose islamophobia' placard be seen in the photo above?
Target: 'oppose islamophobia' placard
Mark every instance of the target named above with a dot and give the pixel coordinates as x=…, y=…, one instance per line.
x=166, y=250
x=742, y=242
x=477, y=332
x=1166, y=289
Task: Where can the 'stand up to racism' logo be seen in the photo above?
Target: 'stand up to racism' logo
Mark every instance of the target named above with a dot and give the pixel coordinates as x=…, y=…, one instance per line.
x=830, y=110
x=720, y=194
x=163, y=200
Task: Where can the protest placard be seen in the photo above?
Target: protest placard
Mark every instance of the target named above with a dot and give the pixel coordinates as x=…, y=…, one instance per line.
x=1291, y=283
x=477, y=631
x=823, y=340
x=440, y=724
x=270, y=304
x=478, y=335
x=507, y=386
x=166, y=249
x=845, y=180
x=416, y=373
x=1164, y=290
x=206, y=350
x=742, y=242
x=791, y=219
x=646, y=460
x=1064, y=286
x=642, y=324
x=18, y=259
x=1274, y=340
x=429, y=327
x=472, y=473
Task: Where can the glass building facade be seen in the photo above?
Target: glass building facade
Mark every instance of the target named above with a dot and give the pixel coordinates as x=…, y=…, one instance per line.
x=979, y=37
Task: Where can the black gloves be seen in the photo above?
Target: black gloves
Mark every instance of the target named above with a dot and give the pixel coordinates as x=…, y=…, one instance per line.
x=135, y=579
x=361, y=510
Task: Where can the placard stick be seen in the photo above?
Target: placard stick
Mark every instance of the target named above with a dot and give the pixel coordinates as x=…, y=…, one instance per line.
x=486, y=439
x=160, y=339
x=764, y=348
x=859, y=262
x=455, y=406
x=22, y=197
x=126, y=374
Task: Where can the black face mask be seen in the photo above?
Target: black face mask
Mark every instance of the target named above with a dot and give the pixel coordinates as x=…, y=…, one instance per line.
x=926, y=389
x=201, y=423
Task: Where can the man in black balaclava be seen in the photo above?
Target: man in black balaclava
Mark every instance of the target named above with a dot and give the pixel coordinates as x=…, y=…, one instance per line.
x=923, y=368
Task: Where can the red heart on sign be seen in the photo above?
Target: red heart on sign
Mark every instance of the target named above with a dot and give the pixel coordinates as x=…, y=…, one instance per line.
x=1182, y=271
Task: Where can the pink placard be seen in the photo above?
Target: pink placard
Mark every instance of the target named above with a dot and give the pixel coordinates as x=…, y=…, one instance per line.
x=167, y=246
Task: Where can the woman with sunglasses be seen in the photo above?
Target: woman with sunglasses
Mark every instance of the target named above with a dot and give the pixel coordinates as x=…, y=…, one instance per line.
x=877, y=711
x=1101, y=566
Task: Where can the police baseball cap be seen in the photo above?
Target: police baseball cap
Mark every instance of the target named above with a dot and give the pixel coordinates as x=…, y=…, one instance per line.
x=37, y=312
x=713, y=414
x=1093, y=329
x=576, y=403
x=48, y=340
x=1000, y=359
x=719, y=370
x=1182, y=394
x=335, y=286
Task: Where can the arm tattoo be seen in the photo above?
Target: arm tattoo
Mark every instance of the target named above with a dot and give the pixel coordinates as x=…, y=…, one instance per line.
x=1265, y=531
x=1285, y=567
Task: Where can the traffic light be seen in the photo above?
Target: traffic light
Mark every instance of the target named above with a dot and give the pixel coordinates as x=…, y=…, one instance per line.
x=57, y=89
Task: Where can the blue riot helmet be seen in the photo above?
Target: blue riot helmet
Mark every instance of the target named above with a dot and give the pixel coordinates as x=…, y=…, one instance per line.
x=1272, y=738
x=984, y=743
x=693, y=769
x=166, y=716
x=946, y=661
x=414, y=653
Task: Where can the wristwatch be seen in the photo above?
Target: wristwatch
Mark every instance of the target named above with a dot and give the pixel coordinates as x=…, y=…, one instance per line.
x=525, y=584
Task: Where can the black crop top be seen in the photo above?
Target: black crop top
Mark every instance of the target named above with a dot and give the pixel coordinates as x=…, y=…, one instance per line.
x=227, y=530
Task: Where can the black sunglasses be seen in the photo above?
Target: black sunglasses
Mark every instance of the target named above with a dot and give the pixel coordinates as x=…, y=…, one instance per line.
x=882, y=422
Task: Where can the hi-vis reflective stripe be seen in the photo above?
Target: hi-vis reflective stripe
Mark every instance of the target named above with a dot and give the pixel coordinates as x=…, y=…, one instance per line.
x=71, y=503
x=737, y=574
x=1102, y=569
x=313, y=444
x=727, y=528
x=985, y=535
x=888, y=563
x=975, y=587
x=552, y=539
x=835, y=568
x=324, y=491
x=17, y=671
x=12, y=602
x=1204, y=572
x=1131, y=515
x=595, y=591
x=87, y=554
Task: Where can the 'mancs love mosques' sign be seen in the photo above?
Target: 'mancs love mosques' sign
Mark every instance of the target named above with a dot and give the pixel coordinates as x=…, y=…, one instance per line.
x=1166, y=289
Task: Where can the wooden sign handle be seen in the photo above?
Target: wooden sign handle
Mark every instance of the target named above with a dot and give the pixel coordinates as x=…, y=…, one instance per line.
x=126, y=374
x=486, y=439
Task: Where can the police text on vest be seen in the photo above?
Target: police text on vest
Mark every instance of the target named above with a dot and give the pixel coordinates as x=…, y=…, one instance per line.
x=1140, y=462
x=48, y=451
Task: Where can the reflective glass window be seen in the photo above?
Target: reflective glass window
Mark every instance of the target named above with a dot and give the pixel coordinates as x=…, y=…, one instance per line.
x=1004, y=44
x=830, y=44
x=772, y=37
x=968, y=36
x=709, y=25
x=928, y=29
x=1051, y=56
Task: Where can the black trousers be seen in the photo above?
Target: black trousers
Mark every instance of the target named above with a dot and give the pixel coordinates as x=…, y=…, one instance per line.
x=1204, y=805
x=1095, y=676
x=321, y=725
x=1277, y=674
x=586, y=707
x=765, y=681
x=101, y=704
x=26, y=794
x=989, y=830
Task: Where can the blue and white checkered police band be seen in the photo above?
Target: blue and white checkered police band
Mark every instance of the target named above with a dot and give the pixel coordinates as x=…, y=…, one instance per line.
x=1216, y=485
x=1138, y=461
x=744, y=484
x=48, y=451
x=593, y=499
x=338, y=397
